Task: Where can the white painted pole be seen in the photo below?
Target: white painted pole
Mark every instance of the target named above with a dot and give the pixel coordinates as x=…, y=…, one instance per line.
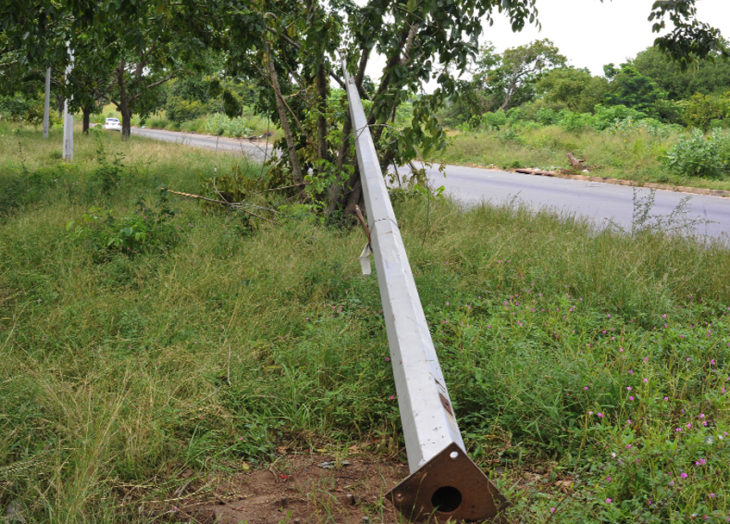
x=443, y=480
x=47, y=104
x=68, y=119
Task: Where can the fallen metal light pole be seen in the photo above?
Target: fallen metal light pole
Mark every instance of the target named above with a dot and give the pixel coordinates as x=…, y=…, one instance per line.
x=443, y=480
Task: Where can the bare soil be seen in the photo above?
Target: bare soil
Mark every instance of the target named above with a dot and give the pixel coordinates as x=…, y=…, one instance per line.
x=300, y=488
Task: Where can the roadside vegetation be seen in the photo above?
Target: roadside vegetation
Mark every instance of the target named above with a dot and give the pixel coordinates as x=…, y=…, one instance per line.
x=648, y=120
x=642, y=150
x=145, y=338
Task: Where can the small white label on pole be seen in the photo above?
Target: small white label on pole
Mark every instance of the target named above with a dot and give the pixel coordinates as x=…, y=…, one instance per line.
x=365, y=259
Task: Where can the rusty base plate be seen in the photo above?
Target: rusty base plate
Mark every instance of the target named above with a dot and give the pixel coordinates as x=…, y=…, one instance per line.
x=449, y=485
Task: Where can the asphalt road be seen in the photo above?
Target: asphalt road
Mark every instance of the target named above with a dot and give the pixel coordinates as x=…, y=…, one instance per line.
x=254, y=149
x=601, y=203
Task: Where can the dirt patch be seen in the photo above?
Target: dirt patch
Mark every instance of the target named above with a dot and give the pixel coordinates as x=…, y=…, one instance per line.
x=302, y=488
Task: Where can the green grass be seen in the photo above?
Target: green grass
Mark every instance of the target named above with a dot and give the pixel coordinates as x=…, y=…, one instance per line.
x=121, y=372
x=630, y=152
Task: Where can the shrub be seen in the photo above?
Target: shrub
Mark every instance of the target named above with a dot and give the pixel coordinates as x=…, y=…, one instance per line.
x=574, y=122
x=220, y=124
x=546, y=116
x=701, y=110
x=22, y=107
x=145, y=231
x=494, y=120
x=606, y=116
x=180, y=110
x=109, y=172
x=700, y=155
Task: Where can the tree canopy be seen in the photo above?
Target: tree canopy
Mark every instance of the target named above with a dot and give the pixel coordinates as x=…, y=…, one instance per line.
x=290, y=52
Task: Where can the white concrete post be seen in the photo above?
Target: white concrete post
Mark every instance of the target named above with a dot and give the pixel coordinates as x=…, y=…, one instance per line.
x=68, y=119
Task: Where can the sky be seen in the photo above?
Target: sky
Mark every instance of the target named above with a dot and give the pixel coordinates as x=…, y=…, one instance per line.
x=590, y=33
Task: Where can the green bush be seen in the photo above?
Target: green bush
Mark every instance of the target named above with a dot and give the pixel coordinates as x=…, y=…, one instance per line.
x=574, y=122
x=22, y=107
x=700, y=155
x=706, y=111
x=109, y=172
x=146, y=231
x=220, y=124
x=180, y=110
x=493, y=120
x=607, y=116
x=546, y=116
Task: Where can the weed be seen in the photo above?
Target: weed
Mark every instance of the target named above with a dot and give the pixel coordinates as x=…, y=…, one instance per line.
x=700, y=155
x=147, y=230
x=108, y=173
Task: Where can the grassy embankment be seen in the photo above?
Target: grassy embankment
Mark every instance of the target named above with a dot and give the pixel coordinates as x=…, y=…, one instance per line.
x=629, y=152
x=589, y=371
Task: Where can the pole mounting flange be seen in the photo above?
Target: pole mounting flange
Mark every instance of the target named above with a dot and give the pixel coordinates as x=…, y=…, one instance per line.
x=449, y=486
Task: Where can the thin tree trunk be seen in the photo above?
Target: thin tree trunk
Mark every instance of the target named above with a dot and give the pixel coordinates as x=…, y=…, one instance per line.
x=322, y=91
x=282, y=116
x=336, y=189
x=60, y=99
x=86, y=111
x=124, y=103
x=47, y=104
x=508, y=96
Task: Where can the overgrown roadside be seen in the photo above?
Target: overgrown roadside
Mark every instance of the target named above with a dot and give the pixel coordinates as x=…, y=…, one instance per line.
x=642, y=153
x=154, y=356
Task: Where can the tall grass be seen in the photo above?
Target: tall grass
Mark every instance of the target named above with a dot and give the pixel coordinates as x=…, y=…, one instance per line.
x=121, y=373
x=628, y=151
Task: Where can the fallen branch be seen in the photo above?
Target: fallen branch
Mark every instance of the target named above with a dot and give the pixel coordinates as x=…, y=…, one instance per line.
x=232, y=205
x=300, y=184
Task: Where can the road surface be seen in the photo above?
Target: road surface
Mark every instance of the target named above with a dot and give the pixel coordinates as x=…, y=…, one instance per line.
x=254, y=149
x=601, y=203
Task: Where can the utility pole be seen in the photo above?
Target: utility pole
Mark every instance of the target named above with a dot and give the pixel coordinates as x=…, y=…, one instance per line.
x=443, y=481
x=68, y=119
x=47, y=104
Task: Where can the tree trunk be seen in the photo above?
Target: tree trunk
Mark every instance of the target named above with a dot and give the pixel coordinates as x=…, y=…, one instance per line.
x=126, y=122
x=86, y=117
x=322, y=91
x=60, y=99
x=47, y=104
x=124, y=103
x=291, y=147
x=336, y=189
x=511, y=90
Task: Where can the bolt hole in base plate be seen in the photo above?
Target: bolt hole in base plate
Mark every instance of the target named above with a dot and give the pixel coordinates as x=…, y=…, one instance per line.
x=449, y=485
x=446, y=499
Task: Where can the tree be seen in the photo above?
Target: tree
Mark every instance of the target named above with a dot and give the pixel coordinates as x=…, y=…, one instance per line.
x=690, y=39
x=124, y=50
x=290, y=51
x=570, y=88
x=500, y=81
x=520, y=67
x=138, y=46
x=681, y=81
x=630, y=88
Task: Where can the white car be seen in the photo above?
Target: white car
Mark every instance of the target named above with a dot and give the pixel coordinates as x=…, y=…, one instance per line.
x=112, y=123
